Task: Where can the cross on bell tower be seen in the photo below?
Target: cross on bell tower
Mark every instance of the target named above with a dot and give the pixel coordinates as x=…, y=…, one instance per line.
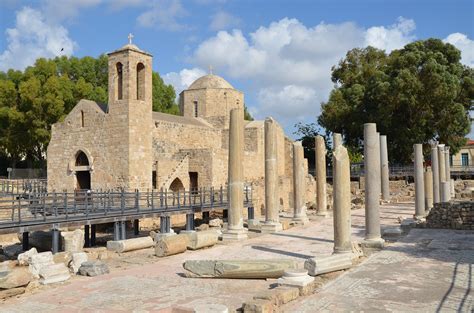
x=130, y=37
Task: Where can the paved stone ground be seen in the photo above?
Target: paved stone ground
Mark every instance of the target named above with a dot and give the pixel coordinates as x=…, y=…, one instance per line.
x=430, y=270
x=160, y=286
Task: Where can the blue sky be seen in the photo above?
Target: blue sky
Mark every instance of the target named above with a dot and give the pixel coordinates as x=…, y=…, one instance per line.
x=279, y=53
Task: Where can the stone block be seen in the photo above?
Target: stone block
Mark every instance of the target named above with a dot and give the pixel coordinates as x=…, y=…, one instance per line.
x=37, y=261
x=332, y=263
x=255, y=269
x=72, y=241
x=93, y=268
x=171, y=245
x=24, y=257
x=285, y=224
x=7, y=265
x=253, y=224
x=234, y=235
x=210, y=308
x=392, y=232
x=16, y=277
x=77, y=259
x=279, y=295
x=216, y=222
x=8, y=293
x=273, y=227
x=295, y=278
x=54, y=273
x=62, y=257
x=258, y=306
x=202, y=239
x=13, y=251
x=130, y=244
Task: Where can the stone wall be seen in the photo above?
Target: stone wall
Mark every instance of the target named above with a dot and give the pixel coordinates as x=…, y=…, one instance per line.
x=453, y=215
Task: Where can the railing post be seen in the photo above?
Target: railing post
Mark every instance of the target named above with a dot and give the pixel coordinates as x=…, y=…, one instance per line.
x=123, y=229
x=26, y=241
x=136, y=226
x=122, y=201
x=116, y=231
x=166, y=198
x=93, y=235
x=179, y=206
x=55, y=244
x=137, y=206
x=190, y=222
x=87, y=241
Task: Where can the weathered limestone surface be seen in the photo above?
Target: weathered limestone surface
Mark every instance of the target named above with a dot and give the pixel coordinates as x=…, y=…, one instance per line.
x=320, y=158
x=272, y=220
x=295, y=277
x=445, y=191
x=335, y=262
x=130, y=244
x=428, y=180
x=93, y=268
x=419, y=183
x=210, y=308
x=171, y=245
x=235, y=229
x=72, y=241
x=7, y=293
x=298, y=184
x=372, y=184
x=54, y=273
x=342, y=201
x=384, y=168
x=25, y=256
x=447, y=168
x=78, y=258
x=239, y=268
x=435, y=169
x=202, y=239
x=441, y=169
x=457, y=215
x=336, y=140
x=16, y=277
x=38, y=261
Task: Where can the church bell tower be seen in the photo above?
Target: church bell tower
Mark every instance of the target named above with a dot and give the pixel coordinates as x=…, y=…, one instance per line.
x=130, y=113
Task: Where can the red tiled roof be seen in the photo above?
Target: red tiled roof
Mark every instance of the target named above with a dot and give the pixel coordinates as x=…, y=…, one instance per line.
x=470, y=142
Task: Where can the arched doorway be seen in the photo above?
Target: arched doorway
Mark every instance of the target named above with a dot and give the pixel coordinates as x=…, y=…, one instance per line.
x=83, y=174
x=176, y=185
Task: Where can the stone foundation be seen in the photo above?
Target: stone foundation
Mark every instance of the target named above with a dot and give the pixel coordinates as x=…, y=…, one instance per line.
x=452, y=215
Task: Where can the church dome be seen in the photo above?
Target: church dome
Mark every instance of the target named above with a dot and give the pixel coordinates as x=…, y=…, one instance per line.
x=210, y=81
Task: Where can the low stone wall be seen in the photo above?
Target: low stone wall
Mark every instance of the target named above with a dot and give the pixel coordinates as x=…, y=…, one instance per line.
x=453, y=215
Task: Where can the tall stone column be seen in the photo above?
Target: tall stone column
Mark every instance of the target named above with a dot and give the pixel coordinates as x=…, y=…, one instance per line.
x=372, y=186
x=441, y=169
x=298, y=184
x=419, y=182
x=336, y=140
x=428, y=188
x=447, y=168
x=321, y=193
x=435, y=169
x=272, y=221
x=379, y=168
x=342, y=201
x=235, y=228
x=384, y=168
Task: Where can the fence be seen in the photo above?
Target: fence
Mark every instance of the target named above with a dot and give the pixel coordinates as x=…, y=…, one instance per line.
x=19, y=186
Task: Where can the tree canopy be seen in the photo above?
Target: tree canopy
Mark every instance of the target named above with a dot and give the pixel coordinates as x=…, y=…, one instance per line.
x=416, y=94
x=43, y=94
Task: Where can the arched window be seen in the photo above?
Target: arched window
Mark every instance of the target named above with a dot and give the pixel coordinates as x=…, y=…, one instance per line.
x=119, y=81
x=195, y=109
x=81, y=159
x=140, y=81
x=82, y=118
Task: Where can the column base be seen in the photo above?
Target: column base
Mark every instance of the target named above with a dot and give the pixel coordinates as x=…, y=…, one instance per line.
x=271, y=227
x=323, y=214
x=187, y=231
x=300, y=220
x=159, y=236
x=234, y=235
x=376, y=243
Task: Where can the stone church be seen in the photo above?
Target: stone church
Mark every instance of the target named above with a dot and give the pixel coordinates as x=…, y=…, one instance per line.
x=124, y=144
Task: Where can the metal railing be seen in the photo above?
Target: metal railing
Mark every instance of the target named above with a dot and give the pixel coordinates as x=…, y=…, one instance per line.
x=24, y=211
x=19, y=186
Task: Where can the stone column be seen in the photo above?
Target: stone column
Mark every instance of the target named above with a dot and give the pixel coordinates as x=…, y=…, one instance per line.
x=336, y=140
x=379, y=168
x=419, y=183
x=447, y=168
x=428, y=188
x=384, y=168
x=235, y=228
x=272, y=222
x=435, y=169
x=298, y=184
x=445, y=191
x=372, y=186
x=441, y=168
x=320, y=150
x=342, y=201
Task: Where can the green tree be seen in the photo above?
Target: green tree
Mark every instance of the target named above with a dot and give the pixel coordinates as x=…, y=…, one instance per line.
x=416, y=94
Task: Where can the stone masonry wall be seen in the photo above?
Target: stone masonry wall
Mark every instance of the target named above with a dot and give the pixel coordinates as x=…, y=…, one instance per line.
x=453, y=215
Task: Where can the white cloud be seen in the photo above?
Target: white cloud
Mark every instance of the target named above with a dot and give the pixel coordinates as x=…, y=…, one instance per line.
x=466, y=45
x=392, y=37
x=163, y=14
x=183, y=79
x=223, y=20
x=33, y=37
x=121, y=4
x=59, y=10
